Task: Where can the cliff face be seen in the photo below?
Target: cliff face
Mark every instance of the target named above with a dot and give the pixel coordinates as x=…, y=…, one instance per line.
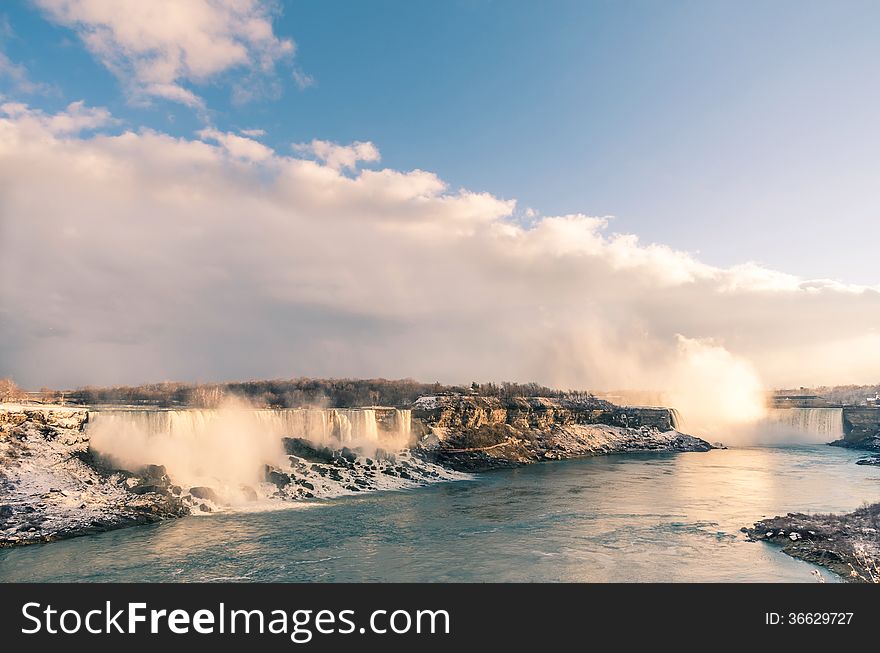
x=57, y=417
x=861, y=430
x=474, y=433
x=471, y=412
x=50, y=487
x=861, y=427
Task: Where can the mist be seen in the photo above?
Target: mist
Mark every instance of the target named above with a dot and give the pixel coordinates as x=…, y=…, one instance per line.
x=228, y=448
x=225, y=449
x=717, y=395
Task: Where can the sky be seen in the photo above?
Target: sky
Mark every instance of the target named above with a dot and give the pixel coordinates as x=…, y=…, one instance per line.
x=581, y=193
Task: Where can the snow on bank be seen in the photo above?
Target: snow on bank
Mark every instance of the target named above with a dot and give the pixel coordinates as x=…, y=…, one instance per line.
x=54, y=484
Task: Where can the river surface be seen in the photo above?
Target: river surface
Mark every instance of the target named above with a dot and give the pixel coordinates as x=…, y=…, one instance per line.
x=637, y=517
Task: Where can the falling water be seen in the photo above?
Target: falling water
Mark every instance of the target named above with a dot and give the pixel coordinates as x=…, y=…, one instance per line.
x=403, y=422
x=328, y=426
x=806, y=424
x=675, y=418
x=229, y=448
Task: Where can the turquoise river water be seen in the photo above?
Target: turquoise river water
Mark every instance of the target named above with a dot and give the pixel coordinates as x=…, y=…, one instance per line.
x=638, y=517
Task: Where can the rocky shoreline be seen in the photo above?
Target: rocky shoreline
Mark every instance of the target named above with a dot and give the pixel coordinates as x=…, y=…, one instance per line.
x=870, y=445
x=847, y=544
x=504, y=448
x=861, y=428
x=54, y=486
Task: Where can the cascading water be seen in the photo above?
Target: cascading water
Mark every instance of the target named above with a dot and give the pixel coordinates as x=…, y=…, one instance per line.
x=675, y=419
x=403, y=422
x=231, y=448
x=805, y=424
x=355, y=425
x=321, y=426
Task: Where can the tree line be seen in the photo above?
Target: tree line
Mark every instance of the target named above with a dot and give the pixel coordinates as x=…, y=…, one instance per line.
x=302, y=392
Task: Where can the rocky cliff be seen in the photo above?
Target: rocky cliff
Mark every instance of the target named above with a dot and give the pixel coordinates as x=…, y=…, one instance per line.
x=861, y=430
x=51, y=487
x=861, y=426
x=476, y=433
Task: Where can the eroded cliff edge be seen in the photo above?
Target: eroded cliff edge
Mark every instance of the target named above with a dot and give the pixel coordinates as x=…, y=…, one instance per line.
x=473, y=433
x=52, y=487
x=861, y=431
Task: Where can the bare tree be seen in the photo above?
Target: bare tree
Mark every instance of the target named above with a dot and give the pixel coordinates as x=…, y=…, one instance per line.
x=9, y=391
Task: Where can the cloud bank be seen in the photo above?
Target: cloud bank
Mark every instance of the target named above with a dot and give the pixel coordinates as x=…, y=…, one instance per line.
x=137, y=256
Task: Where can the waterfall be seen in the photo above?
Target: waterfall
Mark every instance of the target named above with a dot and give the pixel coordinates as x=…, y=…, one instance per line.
x=403, y=422
x=675, y=419
x=356, y=425
x=229, y=448
x=807, y=424
x=332, y=426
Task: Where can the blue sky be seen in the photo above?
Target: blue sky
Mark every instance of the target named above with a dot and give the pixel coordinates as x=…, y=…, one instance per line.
x=735, y=130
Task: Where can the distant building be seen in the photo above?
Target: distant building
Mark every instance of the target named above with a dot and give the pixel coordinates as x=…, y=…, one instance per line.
x=873, y=401
x=798, y=401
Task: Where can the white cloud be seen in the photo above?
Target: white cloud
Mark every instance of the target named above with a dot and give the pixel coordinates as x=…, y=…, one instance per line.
x=303, y=80
x=338, y=156
x=76, y=118
x=140, y=256
x=158, y=48
x=238, y=146
x=17, y=76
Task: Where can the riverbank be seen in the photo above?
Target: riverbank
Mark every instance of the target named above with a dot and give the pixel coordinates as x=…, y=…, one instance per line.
x=861, y=431
x=870, y=445
x=847, y=544
x=52, y=487
x=499, y=448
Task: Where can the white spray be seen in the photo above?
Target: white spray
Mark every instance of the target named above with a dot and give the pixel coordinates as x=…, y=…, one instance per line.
x=228, y=448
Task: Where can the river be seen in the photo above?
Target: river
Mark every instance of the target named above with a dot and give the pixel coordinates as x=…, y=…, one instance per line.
x=636, y=517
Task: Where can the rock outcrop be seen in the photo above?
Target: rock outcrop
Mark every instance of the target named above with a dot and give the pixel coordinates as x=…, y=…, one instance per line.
x=320, y=471
x=848, y=544
x=861, y=429
x=52, y=487
x=473, y=433
x=861, y=424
